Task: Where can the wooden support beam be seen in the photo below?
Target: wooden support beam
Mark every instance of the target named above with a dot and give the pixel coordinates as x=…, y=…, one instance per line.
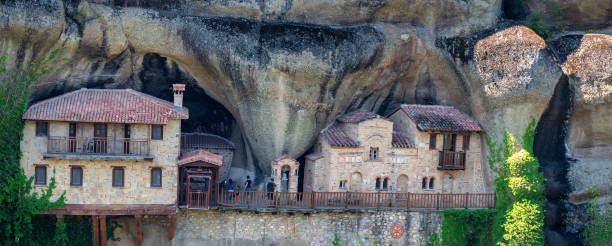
x=96, y=229
x=59, y=218
x=102, y=230
x=170, y=227
x=139, y=228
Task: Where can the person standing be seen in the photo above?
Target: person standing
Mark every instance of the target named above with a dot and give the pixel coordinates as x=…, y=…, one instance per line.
x=247, y=184
x=270, y=189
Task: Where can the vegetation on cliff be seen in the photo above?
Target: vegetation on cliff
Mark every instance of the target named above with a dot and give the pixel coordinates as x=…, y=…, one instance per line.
x=19, y=198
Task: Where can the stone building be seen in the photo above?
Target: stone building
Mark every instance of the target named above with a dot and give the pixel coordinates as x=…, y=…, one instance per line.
x=114, y=152
x=285, y=172
x=418, y=148
x=213, y=144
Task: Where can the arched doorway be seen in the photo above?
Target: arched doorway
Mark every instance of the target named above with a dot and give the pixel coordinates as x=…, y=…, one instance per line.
x=356, y=181
x=285, y=174
x=402, y=183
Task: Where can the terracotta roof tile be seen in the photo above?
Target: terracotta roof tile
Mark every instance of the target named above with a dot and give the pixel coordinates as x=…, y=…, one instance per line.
x=200, y=155
x=338, y=138
x=106, y=105
x=440, y=118
x=401, y=141
x=357, y=116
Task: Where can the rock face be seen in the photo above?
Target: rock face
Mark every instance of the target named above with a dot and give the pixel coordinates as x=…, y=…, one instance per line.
x=271, y=74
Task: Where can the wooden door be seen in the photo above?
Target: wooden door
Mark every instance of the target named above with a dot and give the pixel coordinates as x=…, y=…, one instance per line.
x=100, y=138
x=198, y=190
x=127, y=133
x=72, y=141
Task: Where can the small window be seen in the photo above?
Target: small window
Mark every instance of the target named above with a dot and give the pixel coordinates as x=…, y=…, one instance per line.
x=76, y=176
x=342, y=184
x=466, y=142
x=377, y=183
x=100, y=130
x=431, y=183
x=432, y=141
x=424, y=183
x=40, y=175
x=157, y=132
x=42, y=128
x=118, y=174
x=385, y=183
x=156, y=177
x=373, y=153
x=295, y=173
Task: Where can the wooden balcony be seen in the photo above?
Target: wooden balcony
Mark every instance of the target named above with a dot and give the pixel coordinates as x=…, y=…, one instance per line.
x=451, y=160
x=351, y=201
x=97, y=148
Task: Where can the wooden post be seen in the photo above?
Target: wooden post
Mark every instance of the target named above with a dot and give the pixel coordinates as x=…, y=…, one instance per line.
x=312, y=200
x=378, y=200
x=494, y=200
x=102, y=230
x=170, y=227
x=96, y=229
x=347, y=199
x=466, y=199
x=438, y=201
x=138, y=218
x=408, y=201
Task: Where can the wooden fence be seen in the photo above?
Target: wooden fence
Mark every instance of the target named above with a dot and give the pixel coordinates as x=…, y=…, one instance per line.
x=353, y=200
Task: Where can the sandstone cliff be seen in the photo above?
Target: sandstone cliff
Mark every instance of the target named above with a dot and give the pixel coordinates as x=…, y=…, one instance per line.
x=271, y=74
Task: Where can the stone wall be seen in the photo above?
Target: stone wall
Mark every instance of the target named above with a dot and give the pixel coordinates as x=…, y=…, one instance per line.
x=247, y=228
x=97, y=174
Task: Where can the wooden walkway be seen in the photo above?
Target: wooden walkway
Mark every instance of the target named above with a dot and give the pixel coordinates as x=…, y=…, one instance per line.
x=346, y=201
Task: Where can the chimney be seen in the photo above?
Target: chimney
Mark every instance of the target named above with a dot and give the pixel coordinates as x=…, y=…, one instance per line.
x=178, y=95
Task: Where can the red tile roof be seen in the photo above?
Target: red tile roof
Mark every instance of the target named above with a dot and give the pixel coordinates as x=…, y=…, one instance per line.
x=440, y=118
x=106, y=105
x=190, y=141
x=357, y=116
x=338, y=138
x=401, y=141
x=200, y=155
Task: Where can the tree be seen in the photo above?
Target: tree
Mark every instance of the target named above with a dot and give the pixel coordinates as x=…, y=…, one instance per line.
x=19, y=199
x=520, y=191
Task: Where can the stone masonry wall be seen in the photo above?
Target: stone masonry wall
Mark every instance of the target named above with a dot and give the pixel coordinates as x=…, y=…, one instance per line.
x=97, y=174
x=214, y=228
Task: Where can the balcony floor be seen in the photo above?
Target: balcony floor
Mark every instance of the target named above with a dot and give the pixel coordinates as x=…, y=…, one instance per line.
x=101, y=157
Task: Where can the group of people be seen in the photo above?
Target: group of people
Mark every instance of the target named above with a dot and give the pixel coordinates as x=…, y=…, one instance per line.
x=248, y=185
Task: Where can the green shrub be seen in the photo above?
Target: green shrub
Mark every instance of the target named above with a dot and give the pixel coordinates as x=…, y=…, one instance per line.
x=520, y=191
x=598, y=232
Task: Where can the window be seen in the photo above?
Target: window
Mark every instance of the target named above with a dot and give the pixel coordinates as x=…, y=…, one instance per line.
x=156, y=177
x=424, y=183
x=449, y=142
x=76, y=176
x=342, y=184
x=432, y=141
x=466, y=142
x=100, y=130
x=377, y=183
x=373, y=153
x=40, y=175
x=385, y=184
x=157, y=132
x=42, y=128
x=295, y=173
x=118, y=177
x=431, y=183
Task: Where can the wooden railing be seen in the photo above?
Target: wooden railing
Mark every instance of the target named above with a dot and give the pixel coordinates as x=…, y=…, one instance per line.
x=198, y=199
x=353, y=200
x=451, y=160
x=107, y=146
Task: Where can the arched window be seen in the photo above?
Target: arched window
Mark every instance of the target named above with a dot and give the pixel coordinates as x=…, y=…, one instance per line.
x=385, y=183
x=377, y=183
x=431, y=183
x=424, y=183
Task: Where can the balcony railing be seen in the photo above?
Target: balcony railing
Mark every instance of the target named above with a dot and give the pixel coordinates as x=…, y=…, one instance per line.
x=98, y=146
x=353, y=200
x=451, y=160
